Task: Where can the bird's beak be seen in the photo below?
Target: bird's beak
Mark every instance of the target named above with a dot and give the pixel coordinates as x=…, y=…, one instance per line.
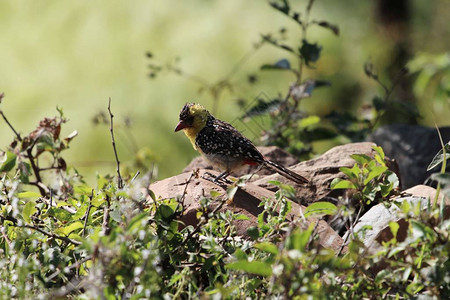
x=180, y=125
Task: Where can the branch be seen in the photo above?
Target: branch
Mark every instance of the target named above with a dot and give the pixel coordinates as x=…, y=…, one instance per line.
x=10, y=126
x=87, y=213
x=119, y=177
x=105, y=226
x=49, y=234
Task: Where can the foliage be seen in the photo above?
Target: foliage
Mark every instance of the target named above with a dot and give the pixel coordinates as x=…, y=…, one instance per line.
x=433, y=77
x=64, y=238
x=369, y=177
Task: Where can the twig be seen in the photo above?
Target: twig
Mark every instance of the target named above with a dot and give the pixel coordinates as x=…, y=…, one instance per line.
x=87, y=213
x=111, y=116
x=352, y=224
x=135, y=176
x=105, y=226
x=49, y=234
x=51, y=203
x=443, y=168
x=202, y=222
x=5, y=236
x=75, y=265
x=29, y=156
x=10, y=126
x=194, y=173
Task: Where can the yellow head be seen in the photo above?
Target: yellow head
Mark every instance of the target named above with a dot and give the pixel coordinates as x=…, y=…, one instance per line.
x=193, y=118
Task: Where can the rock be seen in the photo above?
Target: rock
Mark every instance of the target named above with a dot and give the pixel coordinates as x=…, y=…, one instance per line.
x=321, y=171
x=413, y=147
x=379, y=216
x=246, y=201
x=272, y=153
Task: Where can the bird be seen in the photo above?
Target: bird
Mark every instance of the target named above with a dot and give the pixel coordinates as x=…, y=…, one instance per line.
x=223, y=145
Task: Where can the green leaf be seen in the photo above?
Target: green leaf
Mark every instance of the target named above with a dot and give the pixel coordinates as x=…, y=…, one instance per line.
x=394, y=226
x=309, y=121
x=252, y=267
x=60, y=214
x=164, y=211
x=442, y=178
x=320, y=209
x=423, y=230
x=72, y=227
x=320, y=133
x=350, y=172
x=380, y=151
x=282, y=64
x=282, y=7
x=8, y=162
x=267, y=247
x=439, y=157
x=137, y=222
x=24, y=171
x=253, y=232
x=361, y=158
x=83, y=189
x=375, y=172
x=332, y=27
x=241, y=217
x=28, y=195
x=231, y=192
x=262, y=107
x=274, y=182
x=152, y=195
x=214, y=194
x=378, y=103
x=45, y=142
x=339, y=183
x=299, y=239
x=28, y=210
x=310, y=52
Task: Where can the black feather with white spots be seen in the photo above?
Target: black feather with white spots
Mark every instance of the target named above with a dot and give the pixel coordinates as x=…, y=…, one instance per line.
x=221, y=139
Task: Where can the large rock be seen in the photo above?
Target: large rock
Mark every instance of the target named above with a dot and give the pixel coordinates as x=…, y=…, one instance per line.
x=413, y=147
x=272, y=153
x=321, y=171
x=379, y=217
x=246, y=201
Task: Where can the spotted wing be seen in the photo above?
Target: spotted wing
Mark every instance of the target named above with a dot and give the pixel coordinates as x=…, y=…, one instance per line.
x=220, y=138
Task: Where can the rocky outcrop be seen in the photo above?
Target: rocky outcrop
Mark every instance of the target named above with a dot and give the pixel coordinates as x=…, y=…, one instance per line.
x=321, y=171
x=191, y=187
x=246, y=201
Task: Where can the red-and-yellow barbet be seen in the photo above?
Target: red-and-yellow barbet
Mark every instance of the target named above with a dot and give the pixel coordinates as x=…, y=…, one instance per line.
x=224, y=146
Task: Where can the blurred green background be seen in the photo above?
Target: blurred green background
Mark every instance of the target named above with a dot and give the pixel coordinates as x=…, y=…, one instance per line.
x=77, y=54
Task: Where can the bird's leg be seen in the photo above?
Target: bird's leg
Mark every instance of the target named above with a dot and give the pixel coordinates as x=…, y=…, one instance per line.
x=222, y=177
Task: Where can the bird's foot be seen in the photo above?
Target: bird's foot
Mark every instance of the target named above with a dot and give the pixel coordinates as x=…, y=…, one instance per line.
x=221, y=179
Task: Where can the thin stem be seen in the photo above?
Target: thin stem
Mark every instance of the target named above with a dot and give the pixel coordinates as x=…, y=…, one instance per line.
x=105, y=226
x=29, y=156
x=10, y=126
x=87, y=213
x=111, y=116
x=443, y=168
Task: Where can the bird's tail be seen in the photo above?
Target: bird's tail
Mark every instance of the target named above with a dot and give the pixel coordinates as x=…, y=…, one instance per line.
x=285, y=172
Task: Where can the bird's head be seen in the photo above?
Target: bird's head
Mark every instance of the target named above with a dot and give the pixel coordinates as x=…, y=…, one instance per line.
x=193, y=118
